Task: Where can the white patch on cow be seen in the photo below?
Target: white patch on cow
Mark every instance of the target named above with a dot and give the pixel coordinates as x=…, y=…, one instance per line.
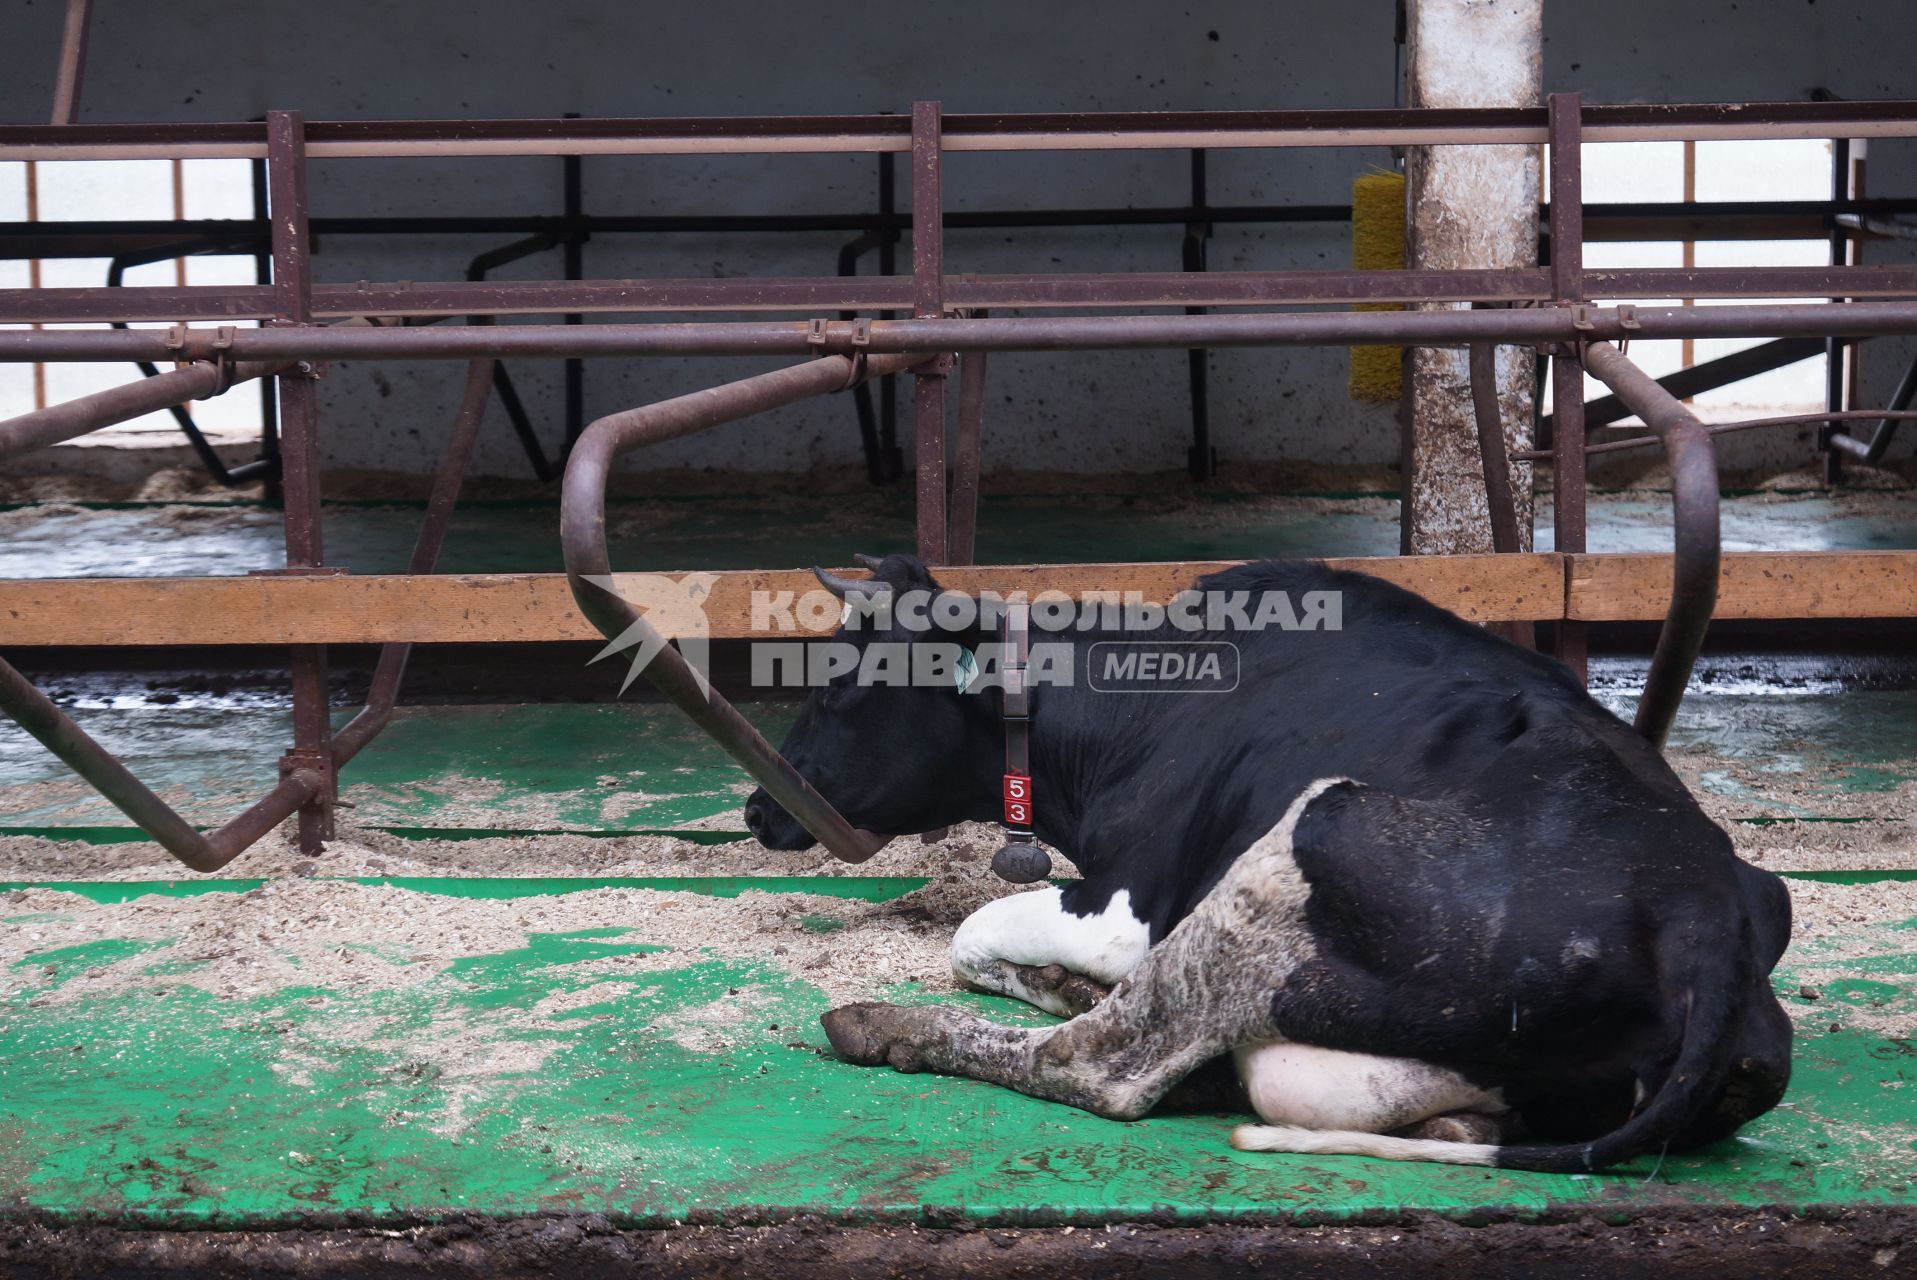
x=1307, y=1087
x=1266, y=892
x=1260, y=1137
x=1326, y=1100
x=1035, y=929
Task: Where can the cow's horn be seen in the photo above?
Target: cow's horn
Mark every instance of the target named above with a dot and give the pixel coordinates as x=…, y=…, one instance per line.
x=867, y=562
x=842, y=587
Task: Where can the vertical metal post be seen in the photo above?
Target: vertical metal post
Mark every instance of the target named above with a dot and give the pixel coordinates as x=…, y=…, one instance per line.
x=1197, y=232
x=928, y=302
x=573, y=256
x=892, y=463
x=299, y=441
x=1567, y=367
x=269, y=387
x=1833, y=349
x=73, y=62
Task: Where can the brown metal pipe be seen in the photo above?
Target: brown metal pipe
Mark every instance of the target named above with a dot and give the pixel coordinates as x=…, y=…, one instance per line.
x=77, y=417
x=383, y=693
x=1497, y=470
x=1499, y=504
x=1698, y=551
x=37, y=714
x=1062, y=131
x=1022, y=333
x=582, y=522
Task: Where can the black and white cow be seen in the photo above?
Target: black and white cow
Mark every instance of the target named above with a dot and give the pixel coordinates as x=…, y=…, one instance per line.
x=1429, y=895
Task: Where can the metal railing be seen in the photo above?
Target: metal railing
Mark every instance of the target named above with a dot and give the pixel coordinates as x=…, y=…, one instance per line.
x=1549, y=308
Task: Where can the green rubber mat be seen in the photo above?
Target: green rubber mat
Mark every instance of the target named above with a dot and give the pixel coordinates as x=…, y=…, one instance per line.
x=535, y=1075
x=641, y=768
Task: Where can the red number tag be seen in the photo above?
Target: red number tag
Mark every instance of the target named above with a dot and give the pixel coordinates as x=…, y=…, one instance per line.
x=1018, y=800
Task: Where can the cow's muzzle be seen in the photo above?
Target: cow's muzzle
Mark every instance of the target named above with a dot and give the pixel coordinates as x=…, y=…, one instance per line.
x=772, y=826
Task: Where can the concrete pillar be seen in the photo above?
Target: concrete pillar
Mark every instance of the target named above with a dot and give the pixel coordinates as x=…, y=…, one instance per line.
x=1469, y=207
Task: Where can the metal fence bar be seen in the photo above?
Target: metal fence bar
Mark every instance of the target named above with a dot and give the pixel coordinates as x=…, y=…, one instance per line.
x=1697, y=549
x=589, y=566
x=928, y=303
x=1066, y=131
x=828, y=294
x=1525, y=325
x=1567, y=373
x=77, y=417
x=299, y=442
x=390, y=671
x=53, y=729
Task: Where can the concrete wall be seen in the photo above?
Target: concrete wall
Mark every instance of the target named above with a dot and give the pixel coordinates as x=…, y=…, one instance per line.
x=1089, y=412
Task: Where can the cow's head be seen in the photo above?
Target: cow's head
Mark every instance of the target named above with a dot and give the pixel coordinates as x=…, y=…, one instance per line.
x=896, y=758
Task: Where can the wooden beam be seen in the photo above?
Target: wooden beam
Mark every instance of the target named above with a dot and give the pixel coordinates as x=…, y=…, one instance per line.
x=522, y=608
x=1753, y=584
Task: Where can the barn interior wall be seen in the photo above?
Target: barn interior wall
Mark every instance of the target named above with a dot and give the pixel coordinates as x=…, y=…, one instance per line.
x=1089, y=412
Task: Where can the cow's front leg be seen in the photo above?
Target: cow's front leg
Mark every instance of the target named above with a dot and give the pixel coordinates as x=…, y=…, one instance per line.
x=1032, y=947
x=1116, y=1061
x=1205, y=990
x=1199, y=993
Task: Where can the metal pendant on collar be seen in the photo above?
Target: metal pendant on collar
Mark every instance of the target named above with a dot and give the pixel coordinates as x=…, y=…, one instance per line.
x=1021, y=860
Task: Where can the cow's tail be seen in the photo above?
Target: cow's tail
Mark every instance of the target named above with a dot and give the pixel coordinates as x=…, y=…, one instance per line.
x=1708, y=1039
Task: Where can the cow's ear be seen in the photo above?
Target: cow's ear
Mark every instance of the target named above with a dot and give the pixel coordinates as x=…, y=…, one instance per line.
x=902, y=572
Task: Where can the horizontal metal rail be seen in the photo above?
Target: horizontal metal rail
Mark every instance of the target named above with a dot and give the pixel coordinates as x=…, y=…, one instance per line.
x=831, y=294
x=1065, y=131
x=995, y=333
x=583, y=531
x=1640, y=220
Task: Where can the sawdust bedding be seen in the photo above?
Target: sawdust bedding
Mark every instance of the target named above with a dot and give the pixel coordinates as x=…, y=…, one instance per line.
x=347, y=937
x=328, y=942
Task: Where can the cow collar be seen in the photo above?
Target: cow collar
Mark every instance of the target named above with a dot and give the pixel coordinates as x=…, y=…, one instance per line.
x=1021, y=860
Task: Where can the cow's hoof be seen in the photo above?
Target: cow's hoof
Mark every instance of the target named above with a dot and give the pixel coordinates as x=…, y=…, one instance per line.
x=1459, y=1126
x=866, y=1034
x=1072, y=993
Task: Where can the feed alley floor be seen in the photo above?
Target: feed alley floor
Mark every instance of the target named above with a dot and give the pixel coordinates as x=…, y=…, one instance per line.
x=544, y=971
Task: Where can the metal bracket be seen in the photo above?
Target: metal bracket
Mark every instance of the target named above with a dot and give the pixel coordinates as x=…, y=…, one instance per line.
x=297, y=758
x=838, y=337
x=318, y=763
x=223, y=362
x=1627, y=320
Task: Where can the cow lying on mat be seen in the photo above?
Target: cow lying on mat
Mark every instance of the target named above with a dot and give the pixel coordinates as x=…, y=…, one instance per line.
x=1429, y=894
